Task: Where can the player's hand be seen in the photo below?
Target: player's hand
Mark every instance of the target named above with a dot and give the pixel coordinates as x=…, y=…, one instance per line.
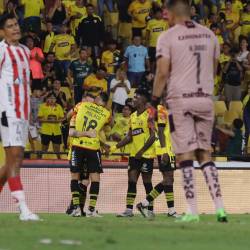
x=106, y=149
x=165, y=158
x=92, y=133
x=138, y=156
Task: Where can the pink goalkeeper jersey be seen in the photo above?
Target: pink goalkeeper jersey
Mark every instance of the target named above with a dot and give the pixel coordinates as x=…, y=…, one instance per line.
x=191, y=49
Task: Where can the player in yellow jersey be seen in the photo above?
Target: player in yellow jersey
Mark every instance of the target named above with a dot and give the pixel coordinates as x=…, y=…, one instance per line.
x=154, y=28
x=84, y=175
x=166, y=160
x=90, y=118
x=141, y=135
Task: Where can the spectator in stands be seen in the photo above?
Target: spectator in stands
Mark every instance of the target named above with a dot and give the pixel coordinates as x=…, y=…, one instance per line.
x=234, y=145
x=59, y=95
x=32, y=12
x=96, y=83
x=47, y=37
x=246, y=117
x=225, y=55
x=57, y=15
x=36, y=59
x=242, y=55
x=78, y=71
x=51, y=115
x=245, y=21
x=194, y=15
x=77, y=11
x=108, y=3
x=137, y=60
x=139, y=10
x=11, y=8
x=215, y=28
x=120, y=124
x=111, y=59
x=90, y=31
x=63, y=46
x=120, y=87
x=154, y=28
x=232, y=78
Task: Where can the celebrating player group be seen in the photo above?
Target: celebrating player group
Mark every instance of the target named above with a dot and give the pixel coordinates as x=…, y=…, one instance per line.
x=173, y=123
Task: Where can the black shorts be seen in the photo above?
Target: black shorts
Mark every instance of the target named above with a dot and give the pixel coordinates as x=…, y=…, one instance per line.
x=152, y=54
x=143, y=165
x=85, y=160
x=170, y=166
x=55, y=139
x=84, y=175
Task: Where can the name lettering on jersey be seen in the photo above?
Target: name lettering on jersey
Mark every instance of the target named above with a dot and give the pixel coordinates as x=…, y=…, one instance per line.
x=195, y=48
x=137, y=131
x=98, y=112
x=159, y=29
x=63, y=44
x=194, y=36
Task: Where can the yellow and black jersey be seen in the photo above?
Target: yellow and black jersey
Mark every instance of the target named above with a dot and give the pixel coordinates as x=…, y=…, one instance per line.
x=162, y=120
x=140, y=126
x=89, y=116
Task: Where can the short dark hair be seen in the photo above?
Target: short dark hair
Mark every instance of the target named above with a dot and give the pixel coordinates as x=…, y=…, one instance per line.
x=143, y=92
x=4, y=18
x=101, y=68
x=238, y=123
x=83, y=49
x=214, y=26
x=173, y=3
x=89, y=5
x=104, y=96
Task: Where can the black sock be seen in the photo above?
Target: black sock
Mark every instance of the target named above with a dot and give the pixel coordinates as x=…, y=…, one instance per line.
x=75, y=192
x=83, y=195
x=169, y=192
x=131, y=194
x=93, y=193
x=148, y=188
x=155, y=192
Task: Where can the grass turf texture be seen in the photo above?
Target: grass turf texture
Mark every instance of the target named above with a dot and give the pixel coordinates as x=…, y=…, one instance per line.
x=135, y=233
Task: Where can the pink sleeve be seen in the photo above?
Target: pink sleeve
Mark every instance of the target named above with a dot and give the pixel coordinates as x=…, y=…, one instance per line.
x=163, y=45
x=40, y=53
x=216, y=49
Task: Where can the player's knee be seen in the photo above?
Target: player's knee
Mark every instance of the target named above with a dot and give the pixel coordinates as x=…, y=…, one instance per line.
x=203, y=156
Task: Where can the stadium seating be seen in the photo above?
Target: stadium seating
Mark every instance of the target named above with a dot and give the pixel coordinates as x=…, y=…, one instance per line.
x=220, y=108
x=237, y=107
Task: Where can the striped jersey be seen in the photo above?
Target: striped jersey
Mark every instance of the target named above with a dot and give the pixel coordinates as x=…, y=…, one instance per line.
x=14, y=80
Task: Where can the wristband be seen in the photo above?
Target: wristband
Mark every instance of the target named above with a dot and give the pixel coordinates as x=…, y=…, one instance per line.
x=155, y=101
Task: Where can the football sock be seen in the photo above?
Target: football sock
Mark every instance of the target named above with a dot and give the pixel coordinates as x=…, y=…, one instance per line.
x=82, y=194
x=189, y=186
x=75, y=192
x=157, y=190
x=17, y=193
x=169, y=193
x=211, y=176
x=148, y=188
x=131, y=194
x=93, y=193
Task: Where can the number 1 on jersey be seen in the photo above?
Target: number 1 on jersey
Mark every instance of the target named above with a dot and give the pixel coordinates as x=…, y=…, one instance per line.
x=198, y=65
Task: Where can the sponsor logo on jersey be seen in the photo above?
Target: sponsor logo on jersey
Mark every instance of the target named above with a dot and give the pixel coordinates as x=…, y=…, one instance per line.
x=137, y=131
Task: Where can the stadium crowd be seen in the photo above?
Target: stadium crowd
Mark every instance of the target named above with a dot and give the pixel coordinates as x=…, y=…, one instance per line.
x=80, y=46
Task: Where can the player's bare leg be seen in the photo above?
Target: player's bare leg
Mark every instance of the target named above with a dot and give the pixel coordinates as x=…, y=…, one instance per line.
x=14, y=157
x=3, y=177
x=211, y=176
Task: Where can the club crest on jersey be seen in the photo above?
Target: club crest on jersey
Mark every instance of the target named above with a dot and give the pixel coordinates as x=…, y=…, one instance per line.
x=137, y=131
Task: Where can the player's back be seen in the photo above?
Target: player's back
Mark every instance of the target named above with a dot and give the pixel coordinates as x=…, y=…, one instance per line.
x=191, y=49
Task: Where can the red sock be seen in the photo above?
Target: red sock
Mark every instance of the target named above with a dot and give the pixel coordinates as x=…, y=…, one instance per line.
x=15, y=184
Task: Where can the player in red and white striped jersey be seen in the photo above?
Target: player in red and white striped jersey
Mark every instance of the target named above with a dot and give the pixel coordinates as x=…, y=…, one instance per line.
x=14, y=109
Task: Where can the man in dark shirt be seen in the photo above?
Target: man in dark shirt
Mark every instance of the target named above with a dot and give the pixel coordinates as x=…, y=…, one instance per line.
x=79, y=70
x=90, y=31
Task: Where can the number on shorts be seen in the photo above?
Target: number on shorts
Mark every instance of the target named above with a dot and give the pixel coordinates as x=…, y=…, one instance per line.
x=198, y=65
x=89, y=124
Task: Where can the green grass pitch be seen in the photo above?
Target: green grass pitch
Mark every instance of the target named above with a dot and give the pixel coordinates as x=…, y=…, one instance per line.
x=58, y=231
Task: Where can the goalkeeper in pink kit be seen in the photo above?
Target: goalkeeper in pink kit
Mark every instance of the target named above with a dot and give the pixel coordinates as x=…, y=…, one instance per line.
x=187, y=56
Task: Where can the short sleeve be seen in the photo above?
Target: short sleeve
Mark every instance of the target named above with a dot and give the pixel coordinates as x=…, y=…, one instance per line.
x=146, y=53
x=105, y=86
x=41, y=111
x=163, y=45
x=126, y=54
x=72, y=40
x=60, y=111
x=42, y=4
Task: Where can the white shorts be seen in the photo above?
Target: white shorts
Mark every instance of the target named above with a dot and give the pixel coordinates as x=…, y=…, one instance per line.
x=14, y=131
